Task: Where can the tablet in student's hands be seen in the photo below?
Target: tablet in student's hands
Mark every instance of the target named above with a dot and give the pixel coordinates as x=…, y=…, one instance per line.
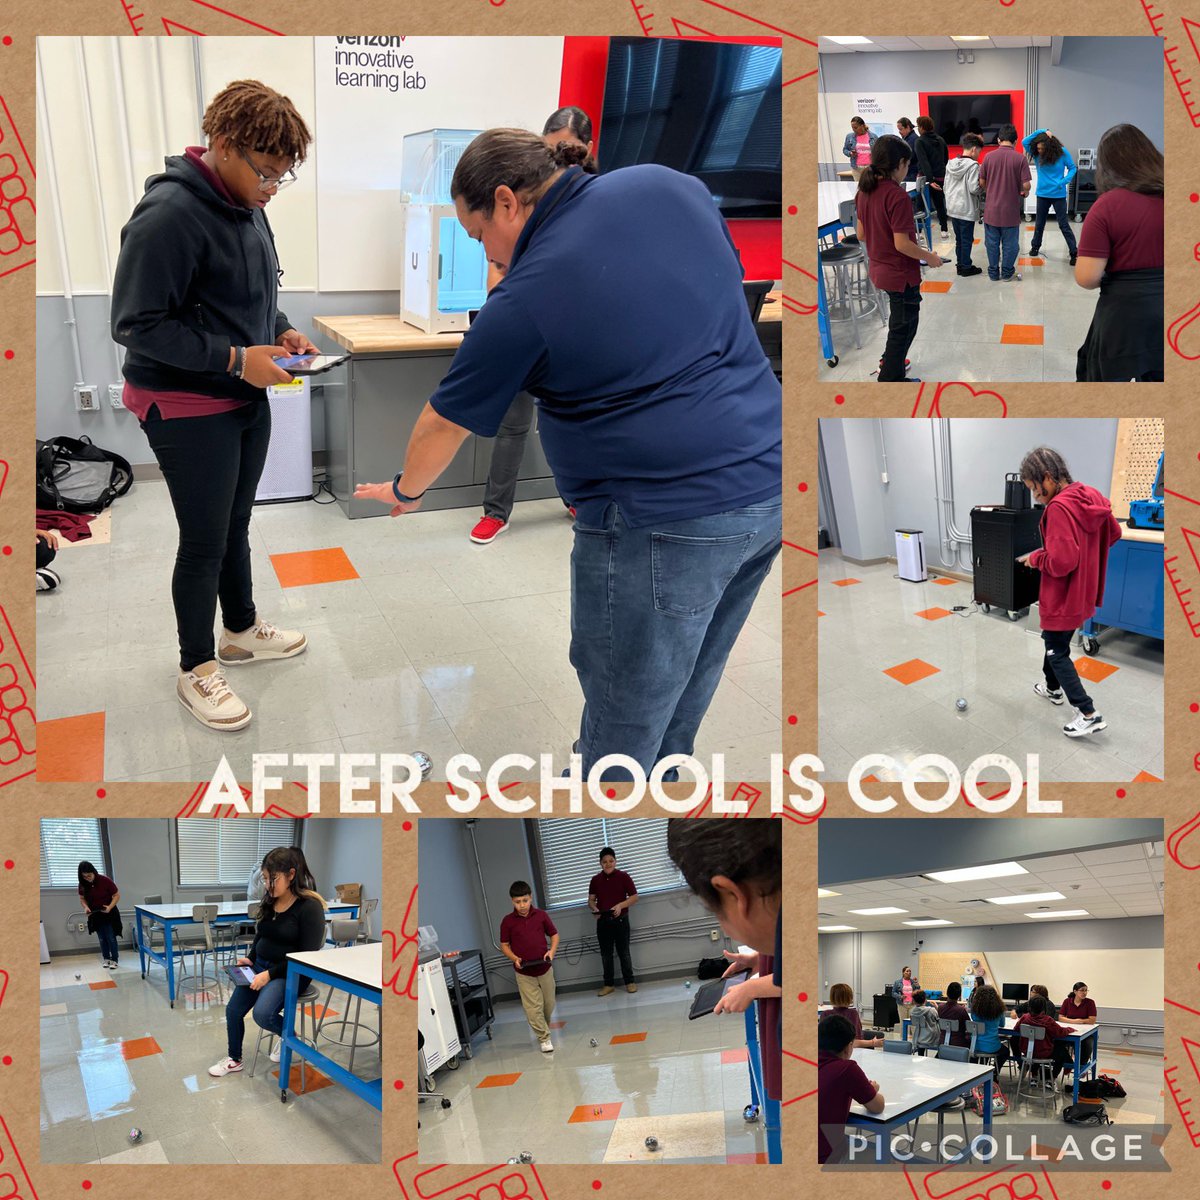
x=309, y=364
x=241, y=975
x=707, y=996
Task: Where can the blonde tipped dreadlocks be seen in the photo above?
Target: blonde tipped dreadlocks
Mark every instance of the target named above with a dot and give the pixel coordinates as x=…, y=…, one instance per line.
x=256, y=118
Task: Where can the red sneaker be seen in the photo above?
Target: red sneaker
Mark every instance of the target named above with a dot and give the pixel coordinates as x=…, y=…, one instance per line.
x=571, y=511
x=488, y=529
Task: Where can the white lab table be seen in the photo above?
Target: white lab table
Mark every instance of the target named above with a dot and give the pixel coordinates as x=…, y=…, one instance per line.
x=356, y=970
x=913, y=1086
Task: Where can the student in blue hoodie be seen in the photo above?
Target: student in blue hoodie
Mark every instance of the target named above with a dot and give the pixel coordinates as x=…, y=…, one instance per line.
x=1055, y=170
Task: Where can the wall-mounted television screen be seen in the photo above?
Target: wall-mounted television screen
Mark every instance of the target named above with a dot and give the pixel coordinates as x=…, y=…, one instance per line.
x=710, y=109
x=954, y=115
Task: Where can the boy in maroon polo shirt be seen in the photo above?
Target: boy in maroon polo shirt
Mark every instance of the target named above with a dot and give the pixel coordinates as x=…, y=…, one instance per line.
x=611, y=895
x=1006, y=181
x=840, y=1082
x=523, y=934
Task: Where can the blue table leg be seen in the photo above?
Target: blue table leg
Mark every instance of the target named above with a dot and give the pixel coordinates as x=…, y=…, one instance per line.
x=137, y=920
x=928, y=217
x=987, y=1112
x=291, y=992
x=823, y=330
x=169, y=950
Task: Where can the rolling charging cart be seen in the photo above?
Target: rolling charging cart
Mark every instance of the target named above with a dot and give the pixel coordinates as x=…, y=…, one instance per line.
x=999, y=536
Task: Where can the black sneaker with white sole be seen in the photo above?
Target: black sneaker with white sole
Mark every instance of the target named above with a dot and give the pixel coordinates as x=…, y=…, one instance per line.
x=1055, y=697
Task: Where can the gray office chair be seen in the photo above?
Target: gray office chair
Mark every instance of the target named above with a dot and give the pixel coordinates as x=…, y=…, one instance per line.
x=366, y=911
x=981, y=1056
x=894, y=1046
x=151, y=926
x=1040, y=1071
x=353, y=1033
x=194, y=981
x=307, y=996
x=950, y=1026
x=957, y=1105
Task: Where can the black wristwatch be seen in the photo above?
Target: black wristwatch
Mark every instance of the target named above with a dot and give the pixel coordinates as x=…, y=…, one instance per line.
x=401, y=498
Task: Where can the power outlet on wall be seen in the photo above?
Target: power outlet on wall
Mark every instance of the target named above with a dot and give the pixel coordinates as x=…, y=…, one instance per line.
x=714, y=935
x=81, y=927
x=87, y=398
x=116, y=393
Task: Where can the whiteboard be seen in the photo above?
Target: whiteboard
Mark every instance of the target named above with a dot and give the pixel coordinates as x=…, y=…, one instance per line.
x=453, y=83
x=1115, y=978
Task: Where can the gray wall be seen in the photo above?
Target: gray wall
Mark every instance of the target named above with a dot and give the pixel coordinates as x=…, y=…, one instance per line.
x=1097, y=83
x=869, y=960
x=143, y=863
x=983, y=450
x=118, y=430
x=905, y=846
x=447, y=876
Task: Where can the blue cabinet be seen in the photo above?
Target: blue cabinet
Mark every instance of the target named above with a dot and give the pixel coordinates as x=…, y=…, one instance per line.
x=1133, y=591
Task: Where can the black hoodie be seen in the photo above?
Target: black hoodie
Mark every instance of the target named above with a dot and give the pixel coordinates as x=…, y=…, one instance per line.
x=932, y=156
x=196, y=275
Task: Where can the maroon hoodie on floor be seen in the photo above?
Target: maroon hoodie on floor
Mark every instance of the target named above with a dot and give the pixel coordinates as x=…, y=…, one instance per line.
x=1077, y=530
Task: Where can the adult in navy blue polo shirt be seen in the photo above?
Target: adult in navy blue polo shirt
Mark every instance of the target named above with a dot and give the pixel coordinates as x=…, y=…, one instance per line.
x=621, y=311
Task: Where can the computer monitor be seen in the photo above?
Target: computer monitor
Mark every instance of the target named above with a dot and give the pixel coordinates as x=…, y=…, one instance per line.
x=1015, y=991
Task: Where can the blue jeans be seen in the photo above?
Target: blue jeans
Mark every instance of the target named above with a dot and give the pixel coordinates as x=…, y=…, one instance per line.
x=1002, y=243
x=108, y=942
x=964, y=238
x=267, y=1005
x=654, y=615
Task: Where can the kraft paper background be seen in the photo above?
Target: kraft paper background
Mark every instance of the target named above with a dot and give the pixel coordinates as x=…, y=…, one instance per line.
x=1177, y=800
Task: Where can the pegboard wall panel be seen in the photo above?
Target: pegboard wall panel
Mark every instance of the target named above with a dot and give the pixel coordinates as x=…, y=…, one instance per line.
x=1135, y=463
x=939, y=969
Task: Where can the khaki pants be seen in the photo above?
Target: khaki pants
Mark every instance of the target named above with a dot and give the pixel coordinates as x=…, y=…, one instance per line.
x=905, y=1011
x=857, y=172
x=537, y=999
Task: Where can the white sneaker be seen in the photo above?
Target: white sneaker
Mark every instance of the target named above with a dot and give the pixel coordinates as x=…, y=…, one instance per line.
x=1040, y=689
x=225, y=1067
x=275, y=1054
x=261, y=641
x=206, y=695
x=546, y=1047
x=1082, y=726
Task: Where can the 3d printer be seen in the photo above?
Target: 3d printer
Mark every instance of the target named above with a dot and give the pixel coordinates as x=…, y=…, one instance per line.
x=1149, y=514
x=445, y=271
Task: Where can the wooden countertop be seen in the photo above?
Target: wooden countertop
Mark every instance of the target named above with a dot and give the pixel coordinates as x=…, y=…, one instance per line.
x=386, y=333
x=1142, y=535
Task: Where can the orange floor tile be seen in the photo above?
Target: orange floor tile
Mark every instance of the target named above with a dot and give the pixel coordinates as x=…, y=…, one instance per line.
x=977, y=242
x=870, y=779
x=1030, y=228
x=71, y=749
x=1145, y=777
x=594, y=1112
x=734, y=1056
x=1031, y=262
x=98, y=987
x=911, y=671
x=1022, y=335
x=934, y=614
x=845, y=582
x=947, y=582
x=936, y=286
x=558, y=1024
x=319, y=1012
x=304, y=567
x=139, y=1048
x=499, y=1080
x=622, y=1039
x=316, y=1081
x=746, y=1160
x=820, y=613
x=1093, y=670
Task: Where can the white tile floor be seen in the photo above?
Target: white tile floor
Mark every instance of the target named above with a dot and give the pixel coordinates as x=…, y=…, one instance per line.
x=440, y=645
x=92, y=1096
x=673, y=1086
x=990, y=661
x=960, y=330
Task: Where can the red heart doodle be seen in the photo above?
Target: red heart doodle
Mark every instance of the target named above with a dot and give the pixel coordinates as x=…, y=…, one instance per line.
x=1178, y=328
x=1181, y=853
x=938, y=396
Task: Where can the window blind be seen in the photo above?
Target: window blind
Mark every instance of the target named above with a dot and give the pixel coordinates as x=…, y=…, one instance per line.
x=221, y=853
x=570, y=855
x=65, y=843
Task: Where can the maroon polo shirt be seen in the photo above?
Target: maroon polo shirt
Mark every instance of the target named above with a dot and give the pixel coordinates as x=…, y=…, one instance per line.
x=1002, y=173
x=1071, y=1011
x=1126, y=228
x=840, y=1082
x=884, y=213
x=611, y=889
x=949, y=1011
x=528, y=937
x=100, y=893
x=851, y=1015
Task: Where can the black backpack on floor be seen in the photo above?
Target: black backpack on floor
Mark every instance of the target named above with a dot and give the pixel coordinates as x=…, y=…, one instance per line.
x=74, y=475
x=1086, y=1114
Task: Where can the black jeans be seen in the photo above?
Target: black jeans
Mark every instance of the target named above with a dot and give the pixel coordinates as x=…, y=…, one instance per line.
x=610, y=932
x=904, y=312
x=507, y=452
x=938, y=196
x=1059, y=204
x=964, y=239
x=1060, y=671
x=44, y=553
x=212, y=466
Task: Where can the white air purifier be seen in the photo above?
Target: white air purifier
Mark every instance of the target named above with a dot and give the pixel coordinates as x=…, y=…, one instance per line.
x=910, y=555
x=288, y=471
